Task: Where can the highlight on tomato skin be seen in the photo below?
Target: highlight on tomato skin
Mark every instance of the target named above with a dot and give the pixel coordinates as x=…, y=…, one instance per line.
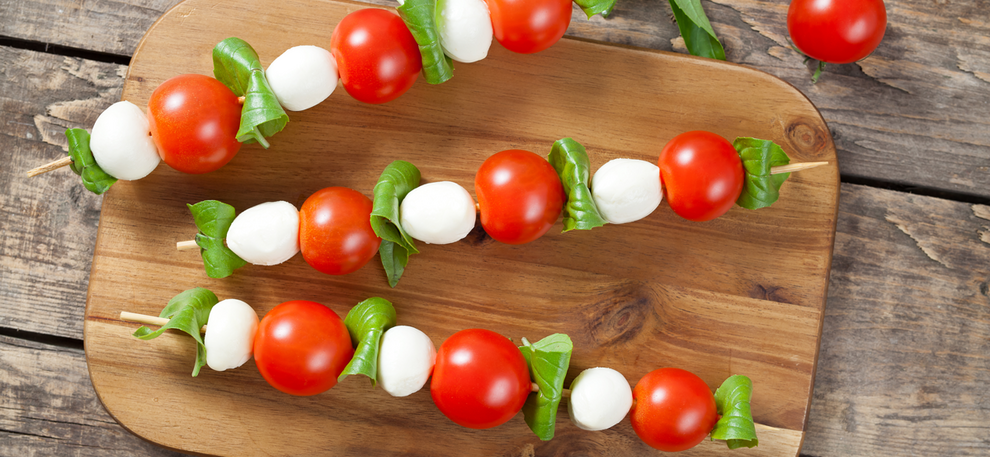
x=520, y=196
x=335, y=234
x=702, y=175
x=673, y=409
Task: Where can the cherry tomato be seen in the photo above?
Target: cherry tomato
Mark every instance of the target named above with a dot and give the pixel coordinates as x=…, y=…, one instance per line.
x=520, y=196
x=837, y=31
x=377, y=57
x=480, y=379
x=673, y=409
x=301, y=347
x=702, y=175
x=335, y=234
x=528, y=26
x=194, y=121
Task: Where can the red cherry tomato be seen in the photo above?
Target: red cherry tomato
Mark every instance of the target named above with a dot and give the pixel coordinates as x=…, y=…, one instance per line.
x=528, y=26
x=520, y=196
x=836, y=31
x=377, y=57
x=673, y=409
x=335, y=234
x=480, y=379
x=301, y=347
x=194, y=121
x=702, y=175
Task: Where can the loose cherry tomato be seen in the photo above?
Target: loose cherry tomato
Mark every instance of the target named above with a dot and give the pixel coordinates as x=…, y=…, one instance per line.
x=520, y=196
x=673, y=409
x=335, y=234
x=194, y=121
x=837, y=31
x=702, y=175
x=480, y=379
x=301, y=347
x=528, y=26
x=377, y=57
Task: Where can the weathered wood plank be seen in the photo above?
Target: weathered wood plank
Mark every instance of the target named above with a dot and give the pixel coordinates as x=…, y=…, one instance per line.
x=904, y=362
x=48, y=222
x=48, y=406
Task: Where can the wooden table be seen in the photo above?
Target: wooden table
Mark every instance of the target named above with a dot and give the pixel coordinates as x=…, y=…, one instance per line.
x=903, y=364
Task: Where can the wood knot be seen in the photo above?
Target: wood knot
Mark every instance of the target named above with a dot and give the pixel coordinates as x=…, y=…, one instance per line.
x=770, y=293
x=619, y=315
x=807, y=138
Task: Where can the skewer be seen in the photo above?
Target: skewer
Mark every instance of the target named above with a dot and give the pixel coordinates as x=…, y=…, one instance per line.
x=186, y=245
x=146, y=319
x=790, y=168
x=64, y=161
x=564, y=393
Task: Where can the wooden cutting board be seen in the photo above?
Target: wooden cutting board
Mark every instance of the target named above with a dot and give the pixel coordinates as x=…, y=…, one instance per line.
x=743, y=294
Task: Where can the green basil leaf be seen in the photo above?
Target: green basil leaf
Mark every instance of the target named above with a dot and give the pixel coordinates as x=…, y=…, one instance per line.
x=699, y=37
x=761, y=188
x=396, y=181
x=570, y=160
x=93, y=177
x=419, y=18
x=736, y=426
x=593, y=7
x=236, y=64
x=548, y=360
x=188, y=312
x=366, y=322
x=213, y=219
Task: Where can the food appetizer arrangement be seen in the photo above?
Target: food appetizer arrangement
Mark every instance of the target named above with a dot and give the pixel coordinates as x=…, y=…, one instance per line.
x=478, y=378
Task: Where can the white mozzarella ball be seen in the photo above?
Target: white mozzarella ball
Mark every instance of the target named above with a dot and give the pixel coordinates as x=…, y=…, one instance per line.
x=465, y=28
x=266, y=234
x=626, y=190
x=600, y=398
x=438, y=213
x=405, y=360
x=230, y=334
x=121, y=142
x=302, y=77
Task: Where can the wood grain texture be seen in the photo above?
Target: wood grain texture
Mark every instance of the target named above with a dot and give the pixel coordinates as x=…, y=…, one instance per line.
x=605, y=288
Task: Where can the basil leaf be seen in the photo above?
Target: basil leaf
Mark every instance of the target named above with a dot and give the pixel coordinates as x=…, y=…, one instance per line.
x=93, y=177
x=699, y=37
x=188, y=312
x=396, y=181
x=419, y=18
x=593, y=7
x=366, y=322
x=213, y=219
x=761, y=188
x=570, y=160
x=236, y=64
x=548, y=360
x=736, y=426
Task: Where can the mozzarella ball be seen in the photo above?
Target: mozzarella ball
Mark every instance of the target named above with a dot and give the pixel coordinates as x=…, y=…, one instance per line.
x=405, y=360
x=266, y=234
x=438, y=213
x=465, y=29
x=230, y=334
x=121, y=142
x=302, y=77
x=626, y=190
x=600, y=398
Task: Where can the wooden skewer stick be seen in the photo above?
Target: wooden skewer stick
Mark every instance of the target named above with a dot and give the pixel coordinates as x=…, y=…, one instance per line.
x=186, y=245
x=63, y=162
x=564, y=393
x=790, y=168
x=146, y=319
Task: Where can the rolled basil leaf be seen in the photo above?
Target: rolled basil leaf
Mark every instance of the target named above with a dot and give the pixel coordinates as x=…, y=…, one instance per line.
x=548, y=360
x=93, y=177
x=419, y=18
x=188, y=312
x=699, y=37
x=366, y=323
x=761, y=189
x=736, y=425
x=570, y=160
x=236, y=64
x=395, y=182
x=593, y=7
x=213, y=220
